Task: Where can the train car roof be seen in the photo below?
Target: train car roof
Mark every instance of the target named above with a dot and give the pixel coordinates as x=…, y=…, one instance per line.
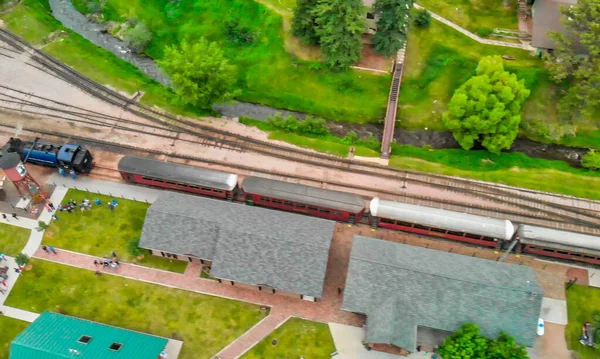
x=177, y=172
x=294, y=192
x=443, y=219
x=554, y=238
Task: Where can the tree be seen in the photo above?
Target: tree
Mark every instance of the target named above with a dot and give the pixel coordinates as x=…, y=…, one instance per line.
x=392, y=25
x=138, y=37
x=22, y=259
x=576, y=60
x=304, y=24
x=466, y=343
x=422, y=17
x=505, y=347
x=591, y=160
x=487, y=108
x=200, y=73
x=340, y=25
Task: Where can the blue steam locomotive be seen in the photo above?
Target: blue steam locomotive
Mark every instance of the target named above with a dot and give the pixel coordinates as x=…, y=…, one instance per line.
x=68, y=156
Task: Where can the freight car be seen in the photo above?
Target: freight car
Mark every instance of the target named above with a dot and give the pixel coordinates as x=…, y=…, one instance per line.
x=178, y=177
x=68, y=156
x=342, y=206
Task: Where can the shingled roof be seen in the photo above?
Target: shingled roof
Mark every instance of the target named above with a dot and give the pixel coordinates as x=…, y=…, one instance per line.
x=546, y=18
x=252, y=245
x=400, y=287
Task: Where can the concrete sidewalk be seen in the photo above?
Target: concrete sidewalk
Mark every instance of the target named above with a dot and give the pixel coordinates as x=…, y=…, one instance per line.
x=554, y=311
x=20, y=314
x=108, y=188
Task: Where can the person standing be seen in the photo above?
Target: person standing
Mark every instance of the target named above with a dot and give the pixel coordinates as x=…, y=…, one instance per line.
x=73, y=174
x=52, y=249
x=45, y=249
x=4, y=217
x=62, y=172
x=3, y=257
x=14, y=215
x=51, y=205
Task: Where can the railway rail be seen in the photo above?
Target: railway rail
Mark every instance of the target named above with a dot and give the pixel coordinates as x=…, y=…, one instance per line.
x=106, y=172
x=588, y=216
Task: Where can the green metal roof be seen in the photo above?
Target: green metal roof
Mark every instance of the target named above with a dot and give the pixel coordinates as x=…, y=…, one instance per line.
x=54, y=335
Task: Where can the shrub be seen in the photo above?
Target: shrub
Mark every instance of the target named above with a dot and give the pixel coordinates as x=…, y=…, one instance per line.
x=484, y=31
x=238, y=33
x=350, y=138
x=310, y=125
x=591, y=160
x=22, y=259
x=94, y=7
x=138, y=37
x=133, y=247
x=172, y=10
x=422, y=18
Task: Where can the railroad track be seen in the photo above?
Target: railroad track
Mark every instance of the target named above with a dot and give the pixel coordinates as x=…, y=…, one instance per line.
x=220, y=138
x=105, y=172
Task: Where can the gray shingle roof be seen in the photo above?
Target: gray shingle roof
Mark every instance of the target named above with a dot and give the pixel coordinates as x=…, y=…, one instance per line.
x=401, y=287
x=546, y=18
x=252, y=245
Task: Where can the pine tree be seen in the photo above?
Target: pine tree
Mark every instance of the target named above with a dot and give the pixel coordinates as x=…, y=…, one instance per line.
x=392, y=25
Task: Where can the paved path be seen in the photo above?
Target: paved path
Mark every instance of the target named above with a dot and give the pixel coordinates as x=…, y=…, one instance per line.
x=594, y=277
x=19, y=314
x=116, y=189
x=554, y=311
x=348, y=342
x=475, y=37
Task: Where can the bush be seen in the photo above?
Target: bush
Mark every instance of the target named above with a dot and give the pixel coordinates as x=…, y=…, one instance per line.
x=350, y=138
x=310, y=125
x=238, y=33
x=94, y=7
x=22, y=259
x=422, y=18
x=591, y=160
x=484, y=31
x=133, y=247
x=138, y=37
x=172, y=10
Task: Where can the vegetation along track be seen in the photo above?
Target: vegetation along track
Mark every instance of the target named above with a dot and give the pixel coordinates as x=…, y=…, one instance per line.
x=221, y=138
x=110, y=172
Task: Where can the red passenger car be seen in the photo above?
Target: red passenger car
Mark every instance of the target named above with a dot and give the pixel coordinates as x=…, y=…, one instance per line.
x=178, y=177
x=335, y=205
x=550, y=242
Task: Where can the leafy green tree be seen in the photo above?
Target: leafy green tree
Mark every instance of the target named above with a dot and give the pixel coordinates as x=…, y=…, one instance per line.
x=467, y=343
x=138, y=37
x=304, y=24
x=340, y=26
x=576, y=60
x=22, y=259
x=505, y=347
x=422, y=17
x=200, y=73
x=487, y=108
x=392, y=25
x=591, y=160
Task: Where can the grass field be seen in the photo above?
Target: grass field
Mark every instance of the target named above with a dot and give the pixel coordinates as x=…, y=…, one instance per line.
x=100, y=231
x=513, y=169
x=475, y=14
x=440, y=59
x=13, y=239
x=296, y=338
x=267, y=74
x=582, y=304
x=205, y=323
x=9, y=329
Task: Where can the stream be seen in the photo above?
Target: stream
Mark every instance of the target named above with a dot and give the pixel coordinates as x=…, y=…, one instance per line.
x=70, y=17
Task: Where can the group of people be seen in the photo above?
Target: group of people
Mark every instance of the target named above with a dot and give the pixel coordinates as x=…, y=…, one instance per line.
x=107, y=262
x=72, y=205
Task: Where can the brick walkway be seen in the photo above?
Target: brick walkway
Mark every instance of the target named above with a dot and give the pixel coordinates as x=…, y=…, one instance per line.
x=328, y=309
x=475, y=37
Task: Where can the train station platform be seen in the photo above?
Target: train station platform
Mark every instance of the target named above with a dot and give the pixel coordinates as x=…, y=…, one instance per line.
x=108, y=188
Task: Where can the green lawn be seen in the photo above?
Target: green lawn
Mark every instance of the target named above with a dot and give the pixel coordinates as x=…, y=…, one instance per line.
x=295, y=338
x=440, y=59
x=267, y=74
x=475, y=14
x=13, y=239
x=205, y=323
x=513, y=169
x=9, y=329
x=99, y=232
x=582, y=304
